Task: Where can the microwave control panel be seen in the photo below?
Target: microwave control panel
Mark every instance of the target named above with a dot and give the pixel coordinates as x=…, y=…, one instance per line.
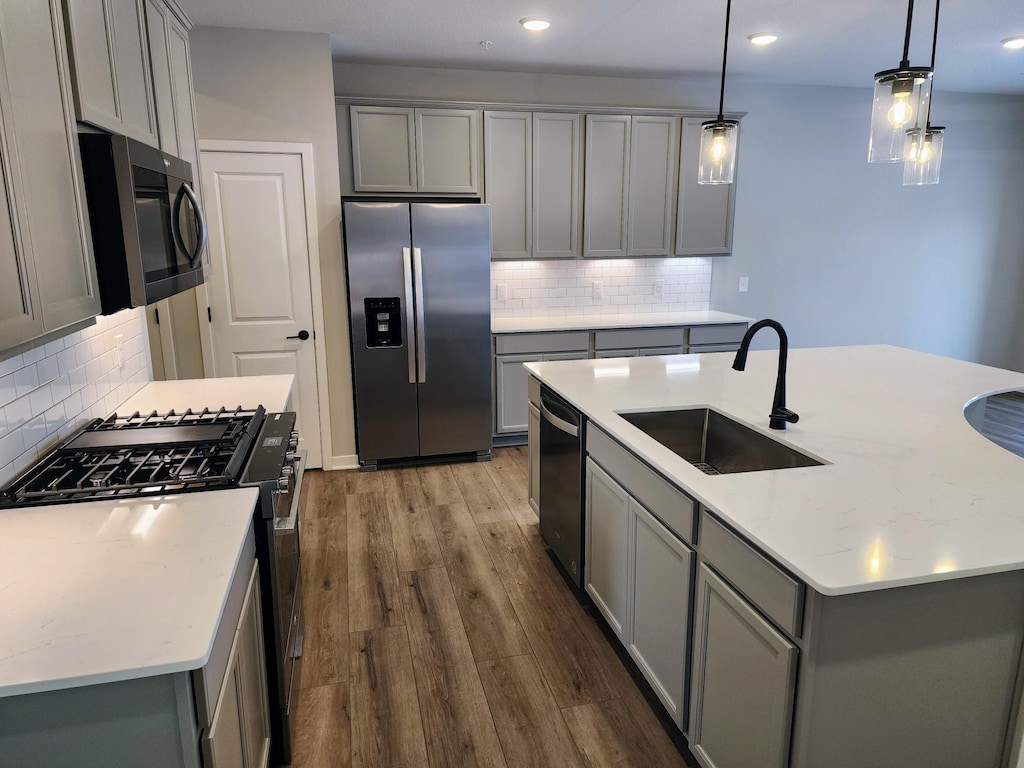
x=383, y=321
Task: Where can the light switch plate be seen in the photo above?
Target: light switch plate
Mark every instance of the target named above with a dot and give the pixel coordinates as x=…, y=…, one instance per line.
x=598, y=291
x=744, y=284
x=500, y=291
x=659, y=287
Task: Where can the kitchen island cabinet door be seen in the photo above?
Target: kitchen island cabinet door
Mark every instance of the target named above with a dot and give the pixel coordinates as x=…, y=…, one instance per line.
x=607, y=561
x=744, y=674
x=705, y=216
x=654, y=150
x=383, y=149
x=606, y=186
x=556, y=185
x=660, y=607
x=533, y=445
x=508, y=182
x=110, y=61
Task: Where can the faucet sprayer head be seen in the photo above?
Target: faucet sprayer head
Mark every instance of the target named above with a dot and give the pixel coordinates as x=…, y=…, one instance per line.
x=740, y=363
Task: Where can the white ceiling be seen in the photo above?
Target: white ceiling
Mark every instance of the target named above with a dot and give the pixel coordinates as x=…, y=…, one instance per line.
x=822, y=42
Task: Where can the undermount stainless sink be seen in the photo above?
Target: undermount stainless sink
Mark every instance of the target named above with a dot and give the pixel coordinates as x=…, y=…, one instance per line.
x=716, y=444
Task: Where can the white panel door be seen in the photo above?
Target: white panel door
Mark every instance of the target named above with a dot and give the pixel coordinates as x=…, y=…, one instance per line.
x=259, y=282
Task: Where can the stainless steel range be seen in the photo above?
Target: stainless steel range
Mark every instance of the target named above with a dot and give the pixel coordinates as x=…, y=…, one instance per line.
x=157, y=454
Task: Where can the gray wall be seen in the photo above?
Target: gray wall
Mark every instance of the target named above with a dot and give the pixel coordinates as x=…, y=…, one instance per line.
x=836, y=249
x=277, y=86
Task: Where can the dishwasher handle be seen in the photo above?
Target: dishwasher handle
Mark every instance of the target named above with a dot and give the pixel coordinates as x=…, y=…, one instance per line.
x=565, y=426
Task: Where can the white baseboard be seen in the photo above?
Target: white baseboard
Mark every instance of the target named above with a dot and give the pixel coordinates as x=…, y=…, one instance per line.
x=343, y=462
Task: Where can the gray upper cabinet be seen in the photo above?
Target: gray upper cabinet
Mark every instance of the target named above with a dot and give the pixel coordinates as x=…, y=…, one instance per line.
x=110, y=66
x=157, y=20
x=744, y=674
x=48, y=275
x=606, y=185
x=704, y=219
x=398, y=149
x=508, y=182
x=654, y=150
x=556, y=185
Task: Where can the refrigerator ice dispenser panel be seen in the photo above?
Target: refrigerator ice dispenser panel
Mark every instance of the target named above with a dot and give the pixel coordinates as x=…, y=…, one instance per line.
x=383, y=322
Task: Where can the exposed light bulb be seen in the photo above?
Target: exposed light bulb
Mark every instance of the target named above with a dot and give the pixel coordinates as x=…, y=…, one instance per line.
x=900, y=112
x=926, y=151
x=718, y=149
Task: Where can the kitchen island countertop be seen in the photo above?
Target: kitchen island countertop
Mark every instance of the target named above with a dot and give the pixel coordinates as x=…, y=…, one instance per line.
x=604, y=322
x=104, y=591
x=911, y=492
x=272, y=392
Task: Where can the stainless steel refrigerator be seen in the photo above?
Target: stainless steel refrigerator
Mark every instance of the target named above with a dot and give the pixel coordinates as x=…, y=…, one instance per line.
x=420, y=318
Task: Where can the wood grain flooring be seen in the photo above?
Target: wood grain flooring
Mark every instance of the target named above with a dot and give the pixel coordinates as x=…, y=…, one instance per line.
x=439, y=634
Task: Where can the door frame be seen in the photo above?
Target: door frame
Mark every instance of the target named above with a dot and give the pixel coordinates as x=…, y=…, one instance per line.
x=305, y=152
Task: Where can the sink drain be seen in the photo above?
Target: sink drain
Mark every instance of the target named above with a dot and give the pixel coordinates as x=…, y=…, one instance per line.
x=706, y=468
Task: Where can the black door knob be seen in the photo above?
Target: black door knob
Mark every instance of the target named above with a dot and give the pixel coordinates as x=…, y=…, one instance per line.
x=301, y=336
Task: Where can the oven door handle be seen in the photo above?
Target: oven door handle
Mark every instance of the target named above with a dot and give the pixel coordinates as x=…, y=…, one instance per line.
x=288, y=524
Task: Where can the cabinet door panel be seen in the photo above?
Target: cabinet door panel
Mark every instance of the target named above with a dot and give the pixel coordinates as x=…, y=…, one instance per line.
x=654, y=149
x=383, y=149
x=606, y=570
x=92, y=49
x=533, y=444
x=743, y=680
x=606, y=185
x=163, y=96
x=223, y=744
x=446, y=150
x=508, y=182
x=662, y=568
x=510, y=392
x=556, y=185
x=252, y=674
x=134, y=86
x=705, y=216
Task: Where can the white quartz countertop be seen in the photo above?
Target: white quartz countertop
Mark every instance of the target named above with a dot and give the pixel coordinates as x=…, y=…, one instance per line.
x=602, y=322
x=272, y=392
x=912, y=493
x=102, y=591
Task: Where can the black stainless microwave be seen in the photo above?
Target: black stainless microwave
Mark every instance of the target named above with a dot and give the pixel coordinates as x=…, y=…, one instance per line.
x=148, y=231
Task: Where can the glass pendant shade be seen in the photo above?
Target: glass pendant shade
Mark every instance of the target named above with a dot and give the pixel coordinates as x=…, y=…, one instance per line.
x=924, y=156
x=901, y=100
x=717, y=151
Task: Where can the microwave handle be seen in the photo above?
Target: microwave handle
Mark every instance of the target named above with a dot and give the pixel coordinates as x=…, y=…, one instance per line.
x=186, y=191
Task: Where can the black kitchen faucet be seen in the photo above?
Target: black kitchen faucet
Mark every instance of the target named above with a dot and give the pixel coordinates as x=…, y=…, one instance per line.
x=780, y=413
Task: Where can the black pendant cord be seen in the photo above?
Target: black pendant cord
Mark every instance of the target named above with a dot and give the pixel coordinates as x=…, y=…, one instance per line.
x=905, y=64
x=725, y=59
x=935, y=41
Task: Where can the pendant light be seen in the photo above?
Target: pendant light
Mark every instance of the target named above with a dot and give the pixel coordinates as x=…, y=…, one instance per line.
x=923, y=155
x=901, y=96
x=718, y=137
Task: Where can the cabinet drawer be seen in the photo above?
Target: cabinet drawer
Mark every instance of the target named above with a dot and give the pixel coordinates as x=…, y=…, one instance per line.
x=776, y=593
x=702, y=348
x=670, y=505
x=528, y=343
x=717, y=334
x=639, y=337
x=209, y=679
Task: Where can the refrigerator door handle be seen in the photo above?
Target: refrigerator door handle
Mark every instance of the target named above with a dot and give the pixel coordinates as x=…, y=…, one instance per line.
x=410, y=326
x=421, y=333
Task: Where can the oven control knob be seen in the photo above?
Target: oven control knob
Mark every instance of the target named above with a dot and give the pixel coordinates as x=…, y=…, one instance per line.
x=286, y=472
x=293, y=442
x=282, y=484
x=290, y=457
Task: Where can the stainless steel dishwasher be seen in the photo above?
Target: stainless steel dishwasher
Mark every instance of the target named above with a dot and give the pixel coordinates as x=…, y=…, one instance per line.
x=561, y=482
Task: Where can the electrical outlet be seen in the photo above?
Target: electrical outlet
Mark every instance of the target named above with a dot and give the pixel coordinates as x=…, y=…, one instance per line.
x=744, y=284
x=598, y=290
x=659, y=287
x=119, y=349
x=501, y=291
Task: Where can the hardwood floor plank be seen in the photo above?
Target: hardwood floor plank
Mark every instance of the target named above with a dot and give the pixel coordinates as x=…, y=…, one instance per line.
x=325, y=533
x=323, y=733
x=484, y=500
x=373, y=590
x=491, y=625
x=512, y=484
x=325, y=605
x=456, y=720
x=416, y=546
x=530, y=727
x=356, y=482
x=323, y=494
x=609, y=736
x=438, y=483
x=546, y=610
x=386, y=727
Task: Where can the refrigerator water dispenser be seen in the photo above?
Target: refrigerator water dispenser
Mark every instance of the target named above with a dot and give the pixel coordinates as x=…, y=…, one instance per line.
x=383, y=322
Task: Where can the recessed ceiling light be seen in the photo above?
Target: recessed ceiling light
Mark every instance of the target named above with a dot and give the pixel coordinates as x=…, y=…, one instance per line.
x=1014, y=43
x=762, y=38
x=535, y=23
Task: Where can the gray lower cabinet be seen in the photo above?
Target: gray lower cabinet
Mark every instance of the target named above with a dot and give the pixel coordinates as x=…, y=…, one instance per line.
x=704, y=220
x=606, y=574
x=110, y=66
x=533, y=441
x=510, y=404
x=404, y=149
x=47, y=272
x=662, y=568
x=744, y=674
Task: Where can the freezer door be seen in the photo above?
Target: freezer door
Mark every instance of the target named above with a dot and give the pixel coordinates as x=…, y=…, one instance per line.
x=379, y=259
x=452, y=249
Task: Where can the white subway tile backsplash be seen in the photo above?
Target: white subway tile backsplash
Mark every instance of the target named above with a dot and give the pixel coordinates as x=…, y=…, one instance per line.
x=546, y=288
x=47, y=392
